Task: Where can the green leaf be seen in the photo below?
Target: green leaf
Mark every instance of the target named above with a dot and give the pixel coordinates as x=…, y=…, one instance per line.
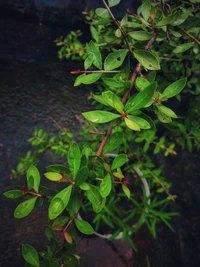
x=106, y=186
x=132, y=125
x=113, y=142
x=58, y=168
x=30, y=255
x=79, y=79
x=111, y=83
x=163, y=118
x=13, y=193
x=126, y=190
x=99, y=116
x=82, y=175
x=142, y=123
x=141, y=99
x=59, y=202
x=115, y=59
x=174, y=88
x=74, y=159
x=33, y=173
x=166, y=21
x=84, y=186
x=183, y=47
x=140, y=35
x=93, y=195
x=53, y=176
x=119, y=161
x=50, y=234
x=94, y=33
x=112, y=3
x=141, y=83
x=118, y=104
x=167, y=111
x=147, y=59
x=108, y=98
x=93, y=51
x=102, y=13
x=24, y=208
x=99, y=207
x=90, y=78
x=74, y=203
x=61, y=221
x=145, y=9
x=84, y=227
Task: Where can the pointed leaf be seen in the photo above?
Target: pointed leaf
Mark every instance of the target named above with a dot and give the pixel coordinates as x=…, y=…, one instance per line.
x=25, y=208
x=119, y=161
x=84, y=227
x=93, y=195
x=13, y=193
x=141, y=83
x=118, y=104
x=142, y=123
x=166, y=21
x=74, y=159
x=33, y=173
x=94, y=53
x=112, y=3
x=30, y=255
x=126, y=191
x=132, y=125
x=68, y=238
x=99, y=116
x=183, y=47
x=59, y=202
x=82, y=175
x=145, y=9
x=174, y=88
x=53, y=176
x=91, y=78
x=105, y=186
x=108, y=98
x=102, y=13
x=167, y=111
x=115, y=59
x=147, y=59
x=140, y=35
x=113, y=142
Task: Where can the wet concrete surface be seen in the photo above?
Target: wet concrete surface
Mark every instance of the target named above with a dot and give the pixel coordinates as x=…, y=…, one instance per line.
x=33, y=88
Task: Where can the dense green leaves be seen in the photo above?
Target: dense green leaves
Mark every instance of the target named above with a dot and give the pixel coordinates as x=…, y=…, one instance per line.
x=25, y=208
x=113, y=142
x=115, y=59
x=148, y=60
x=59, y=202
x=30, y=255
x=99, y=116
x=84, y=227
x=174, y=88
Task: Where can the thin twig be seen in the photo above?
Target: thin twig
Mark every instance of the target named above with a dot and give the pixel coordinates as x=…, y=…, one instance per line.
x=189, y=35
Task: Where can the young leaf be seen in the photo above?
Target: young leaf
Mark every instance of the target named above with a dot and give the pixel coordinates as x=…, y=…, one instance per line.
x=145, y=9
x=163, y=118
x=112, y=3
x=102, y=13
x=91, y=78
x=24, y=208
x=61, y=221
x=142, y=123
x=84, y=227
x=119, y=161
x=126, y=190
x=74, y=159
x=132, y=125
x=79, y=79
x=100, y=99
x=99, y=116
x=30, y=255
x=183, y=47
x=53, y=176
x=82, y=175
x=68, y=238
x=174, y=88
x=105, y=186
x=115, y=59
x=167, y=111
x=59, y=202
x=13, y=193
x=147, y=59
x=93, y=51
x=141, y=99
x=33, y=174
x=140, y=35
x=117, y=104
x=111, y=83
x=108, y=98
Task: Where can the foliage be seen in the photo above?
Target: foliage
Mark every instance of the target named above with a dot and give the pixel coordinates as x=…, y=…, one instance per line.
x=140, y=64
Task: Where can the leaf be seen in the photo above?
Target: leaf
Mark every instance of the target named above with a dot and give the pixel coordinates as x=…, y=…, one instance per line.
x=132, y=125
x=78, y=80
x=111, y=83
x=145, y=9
x=74, y=159
x=99, y=116
x=174, y=88
x=113, y=142
x=115, y=59
x=90, y=78
x=147, y=59
x=68, y=238
x=53, y=176
x=166, y=21
x=59, y=202
x=119, y=161
x=167, y=111
x=82, y=175
x=142, y=123
x=30, y=255
x=61, y=221
x=117, y=104
x=99, y=207
x=112, y=3
x=140, y=35
x=13, y=193
x=183, y=47
x=163, y=118
x=84, y=186
x=93, y=51
x=50, y=234
x=24, y=208
x=126, y=190
x=74, y=203
x=102, y=13
x=84, y=227
x=108, y=98
x=58, y=168
x=141, y=99
x=105, y=186
x=33, y=173
x=93, y=195
x=94, y=33
x=141, y=83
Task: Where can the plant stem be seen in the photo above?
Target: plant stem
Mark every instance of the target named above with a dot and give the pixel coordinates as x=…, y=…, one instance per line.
x=189, y=35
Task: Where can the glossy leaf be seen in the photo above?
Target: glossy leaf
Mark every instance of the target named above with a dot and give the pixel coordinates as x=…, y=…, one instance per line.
x=100, y=99
x=174, y=88
x=33, y=174
x=119, y=161
x=108, y=98
x=112, y=3
x=148, y=60
x=93, y=195
x=53, y=176
x=145, y=9
x=102, y=13
x=84, y=227
x=84, y=186
x=163, y=118
x=13, y=193
x=142, y=123
x=82, y=175
x=59, y=202
x=30, y=255
x=91, y=78
x=112, y=83
x=115, y=59
x=183, y=47
x=132, y=125
x=99, y=116
x=141, y=83
x=94, y=53
x=25, y=208
x=113, y=142
x=140, y=35
x=105, y=186
x=126, y=191
x=167, y=111
x=74, y=159
x=117, y=104
x=166, y=21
